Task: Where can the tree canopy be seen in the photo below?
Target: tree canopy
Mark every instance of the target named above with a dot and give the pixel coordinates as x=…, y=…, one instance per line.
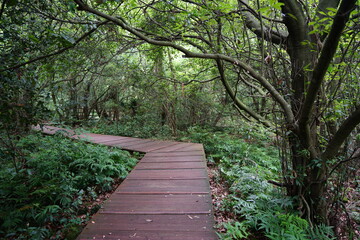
x=289, y=65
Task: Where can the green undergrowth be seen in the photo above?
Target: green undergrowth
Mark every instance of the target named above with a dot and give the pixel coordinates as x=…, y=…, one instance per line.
x=48, y=184
x=247, y=159
x=132, y=127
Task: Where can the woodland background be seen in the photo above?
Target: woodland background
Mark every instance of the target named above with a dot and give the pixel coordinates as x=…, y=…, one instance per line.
x=271, y=88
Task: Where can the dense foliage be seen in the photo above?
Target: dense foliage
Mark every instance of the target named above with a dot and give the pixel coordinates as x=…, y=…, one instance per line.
x=49, y=191
x=184, y=68
x=246, y=166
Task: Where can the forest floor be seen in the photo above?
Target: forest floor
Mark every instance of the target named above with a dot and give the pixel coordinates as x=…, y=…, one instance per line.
x=219, y=192
x=342, y=219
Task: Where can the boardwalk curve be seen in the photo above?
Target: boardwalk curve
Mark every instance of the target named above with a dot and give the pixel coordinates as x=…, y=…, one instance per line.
x=166, y=196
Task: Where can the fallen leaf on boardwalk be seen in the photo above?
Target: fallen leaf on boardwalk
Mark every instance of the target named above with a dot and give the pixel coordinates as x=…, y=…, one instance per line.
x=149, y=220
x=92, y=221
x=133, y=235
x=190, y=217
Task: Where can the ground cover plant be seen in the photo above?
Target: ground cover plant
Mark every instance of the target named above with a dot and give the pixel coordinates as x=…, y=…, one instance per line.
x=48, y=186
x=246, y=165
x=138, y=126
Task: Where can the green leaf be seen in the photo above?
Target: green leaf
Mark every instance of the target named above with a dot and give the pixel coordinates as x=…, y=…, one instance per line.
x=292, y=16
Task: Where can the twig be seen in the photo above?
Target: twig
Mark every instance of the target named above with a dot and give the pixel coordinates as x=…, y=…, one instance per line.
x=278, y=184
x=343, y=161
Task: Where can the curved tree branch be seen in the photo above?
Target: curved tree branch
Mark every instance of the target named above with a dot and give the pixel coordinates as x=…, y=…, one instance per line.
x=189, y=54
x=236, y=100
x=56, y=52
x=326, y=56
x=340, y=136
x=254, y=24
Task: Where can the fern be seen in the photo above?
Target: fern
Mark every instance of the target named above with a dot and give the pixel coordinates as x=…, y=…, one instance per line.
x=235, y=231
x=321, y=232
x=58, y=175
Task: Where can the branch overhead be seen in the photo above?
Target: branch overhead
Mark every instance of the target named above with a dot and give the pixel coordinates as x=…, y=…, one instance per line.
x=255, y=25
x=190, y=54
x=327, y=53
x=84, y=36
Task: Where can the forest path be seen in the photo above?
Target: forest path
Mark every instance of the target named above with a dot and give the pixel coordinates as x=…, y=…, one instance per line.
x=166, y=196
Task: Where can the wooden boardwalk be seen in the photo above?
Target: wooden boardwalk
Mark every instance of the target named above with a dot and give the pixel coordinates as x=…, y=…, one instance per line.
x=166, y=196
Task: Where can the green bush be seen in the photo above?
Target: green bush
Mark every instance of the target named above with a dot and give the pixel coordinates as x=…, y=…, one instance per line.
x=56, y=178
x=137, y=126
x=246, y=160
x=235, y=231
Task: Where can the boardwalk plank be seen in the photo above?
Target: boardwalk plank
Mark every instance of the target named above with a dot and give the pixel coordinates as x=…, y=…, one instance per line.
x=174, y=148
x=169, y=165
x=167, y=173
x=186, y=223
x=162, y=159
x=164, y=204
x=166, y=196
x=100, y=234
x=184, y=185
x=176, y=154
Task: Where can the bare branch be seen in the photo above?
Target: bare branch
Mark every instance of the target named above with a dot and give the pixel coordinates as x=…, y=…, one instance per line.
x=342, y=162
x=342, y=133
x=278, y=184
x=236, y=100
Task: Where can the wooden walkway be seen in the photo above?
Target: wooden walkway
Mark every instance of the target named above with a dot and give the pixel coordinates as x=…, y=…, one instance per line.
x=166, y=196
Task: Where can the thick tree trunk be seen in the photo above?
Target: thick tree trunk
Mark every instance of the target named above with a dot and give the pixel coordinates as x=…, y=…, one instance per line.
x=73, y=108
x=307, y=182
x=86, y=109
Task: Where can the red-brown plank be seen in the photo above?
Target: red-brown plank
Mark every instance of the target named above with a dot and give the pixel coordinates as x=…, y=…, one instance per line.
x=134, y=143
x=144, y=146
x=193, y=147
x=161, y=159
x=99, y=234
x=188, y=223
x=158, y=145
x=163, y=204
x=113, y=141
x=167, y=174
x=173, y=148
x=184, y=185
x=169, y=165
x=175, y=154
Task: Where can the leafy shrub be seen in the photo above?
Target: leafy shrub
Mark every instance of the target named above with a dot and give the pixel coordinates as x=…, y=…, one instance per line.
x=137, y=126
x=57, y=177
x=235, y=231
x=246, y=162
